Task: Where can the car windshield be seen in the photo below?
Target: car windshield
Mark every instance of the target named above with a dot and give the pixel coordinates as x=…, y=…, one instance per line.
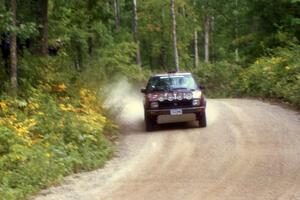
x=171, y=82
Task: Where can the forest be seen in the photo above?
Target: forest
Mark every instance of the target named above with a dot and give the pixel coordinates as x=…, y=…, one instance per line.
x=57, y=57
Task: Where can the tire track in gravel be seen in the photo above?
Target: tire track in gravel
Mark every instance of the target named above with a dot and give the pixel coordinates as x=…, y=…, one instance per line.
x=250, y=150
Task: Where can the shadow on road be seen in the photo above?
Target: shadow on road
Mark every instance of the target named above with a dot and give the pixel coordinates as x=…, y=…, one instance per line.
x=139, y=127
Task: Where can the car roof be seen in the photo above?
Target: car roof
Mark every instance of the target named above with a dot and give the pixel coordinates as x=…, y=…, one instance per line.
x=172, y=74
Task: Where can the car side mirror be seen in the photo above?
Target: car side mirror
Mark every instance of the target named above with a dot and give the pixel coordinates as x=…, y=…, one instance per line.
x=201, y=87
x=143, y=90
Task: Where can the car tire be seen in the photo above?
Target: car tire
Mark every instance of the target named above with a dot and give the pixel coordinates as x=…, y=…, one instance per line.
x=149, y=123
x=202, y=120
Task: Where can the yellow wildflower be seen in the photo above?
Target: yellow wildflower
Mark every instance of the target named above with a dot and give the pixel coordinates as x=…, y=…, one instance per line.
x=66, y=98
x=60, y=87
x=3, y=106
x=32, y=122
x=22, y=128
x=63, y=107
x=277, y=60
x=287, y=68
x=48, y=155
x=33, y=105
x=41, y=113
x=257, y=62
x=87, y=95
x=13, y=117
x=67, y=107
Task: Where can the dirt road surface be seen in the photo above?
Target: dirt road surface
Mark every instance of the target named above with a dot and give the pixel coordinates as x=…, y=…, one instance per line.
x=250, y=150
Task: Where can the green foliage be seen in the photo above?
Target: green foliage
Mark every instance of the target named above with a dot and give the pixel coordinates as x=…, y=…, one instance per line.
x=5, y=18
x=277, y=76
x=50, y=130
x=56, y=125
x=155, y=29
x=24, y=30
x=114, y=62
x=218, y=78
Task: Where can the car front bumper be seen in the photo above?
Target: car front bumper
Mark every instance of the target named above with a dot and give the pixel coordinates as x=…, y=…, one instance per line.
x=162, y=116
x=157, y=112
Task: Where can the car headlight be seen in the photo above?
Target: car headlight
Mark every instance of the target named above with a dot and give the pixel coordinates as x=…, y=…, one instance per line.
x=188, y=96
x=154, y=105
x=153, y=97
x=170, y=97
x=179, y=97
x=161, y=98
x=197, y=94
x=196, y=102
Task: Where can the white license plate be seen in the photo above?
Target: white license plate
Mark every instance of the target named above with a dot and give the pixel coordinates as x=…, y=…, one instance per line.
x=176, y=112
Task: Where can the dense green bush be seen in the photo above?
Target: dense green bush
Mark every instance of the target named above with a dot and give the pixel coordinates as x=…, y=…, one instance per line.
x=277, y=76
x=53, y=128
x=218, y=78
x=57, y=125
x=114, y=62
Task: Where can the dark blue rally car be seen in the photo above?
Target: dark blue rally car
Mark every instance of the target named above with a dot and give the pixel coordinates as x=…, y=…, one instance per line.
x=172, y=98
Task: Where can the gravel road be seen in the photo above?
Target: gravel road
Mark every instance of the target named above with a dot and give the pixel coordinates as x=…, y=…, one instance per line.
x=250, y=150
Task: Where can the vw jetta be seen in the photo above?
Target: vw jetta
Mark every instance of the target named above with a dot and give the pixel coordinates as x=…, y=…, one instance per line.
x=172, y=98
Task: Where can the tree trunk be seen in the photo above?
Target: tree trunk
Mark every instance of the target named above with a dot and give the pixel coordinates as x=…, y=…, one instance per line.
x=176, y=58
x=13, y=48
x=237, y=57
x=135, y=32
x=212, y=53
x=44, y=42
x=196, y=51
x=206, y=37
x=40, y=43
x=90, y=38
x=163, y=49
x=117, y=14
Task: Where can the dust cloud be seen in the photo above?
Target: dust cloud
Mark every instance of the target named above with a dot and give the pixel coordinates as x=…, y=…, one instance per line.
x=124, y=100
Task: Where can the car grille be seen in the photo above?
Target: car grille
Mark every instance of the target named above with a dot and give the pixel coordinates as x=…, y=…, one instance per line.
x=175, y=104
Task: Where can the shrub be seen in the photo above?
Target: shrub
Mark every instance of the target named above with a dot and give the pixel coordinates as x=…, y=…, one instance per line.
x=218, y=78
x=50, y=130
x=277, y=76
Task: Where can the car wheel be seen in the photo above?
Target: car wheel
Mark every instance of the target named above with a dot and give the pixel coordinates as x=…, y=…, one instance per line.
x=202, y=120
x=150, y=124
